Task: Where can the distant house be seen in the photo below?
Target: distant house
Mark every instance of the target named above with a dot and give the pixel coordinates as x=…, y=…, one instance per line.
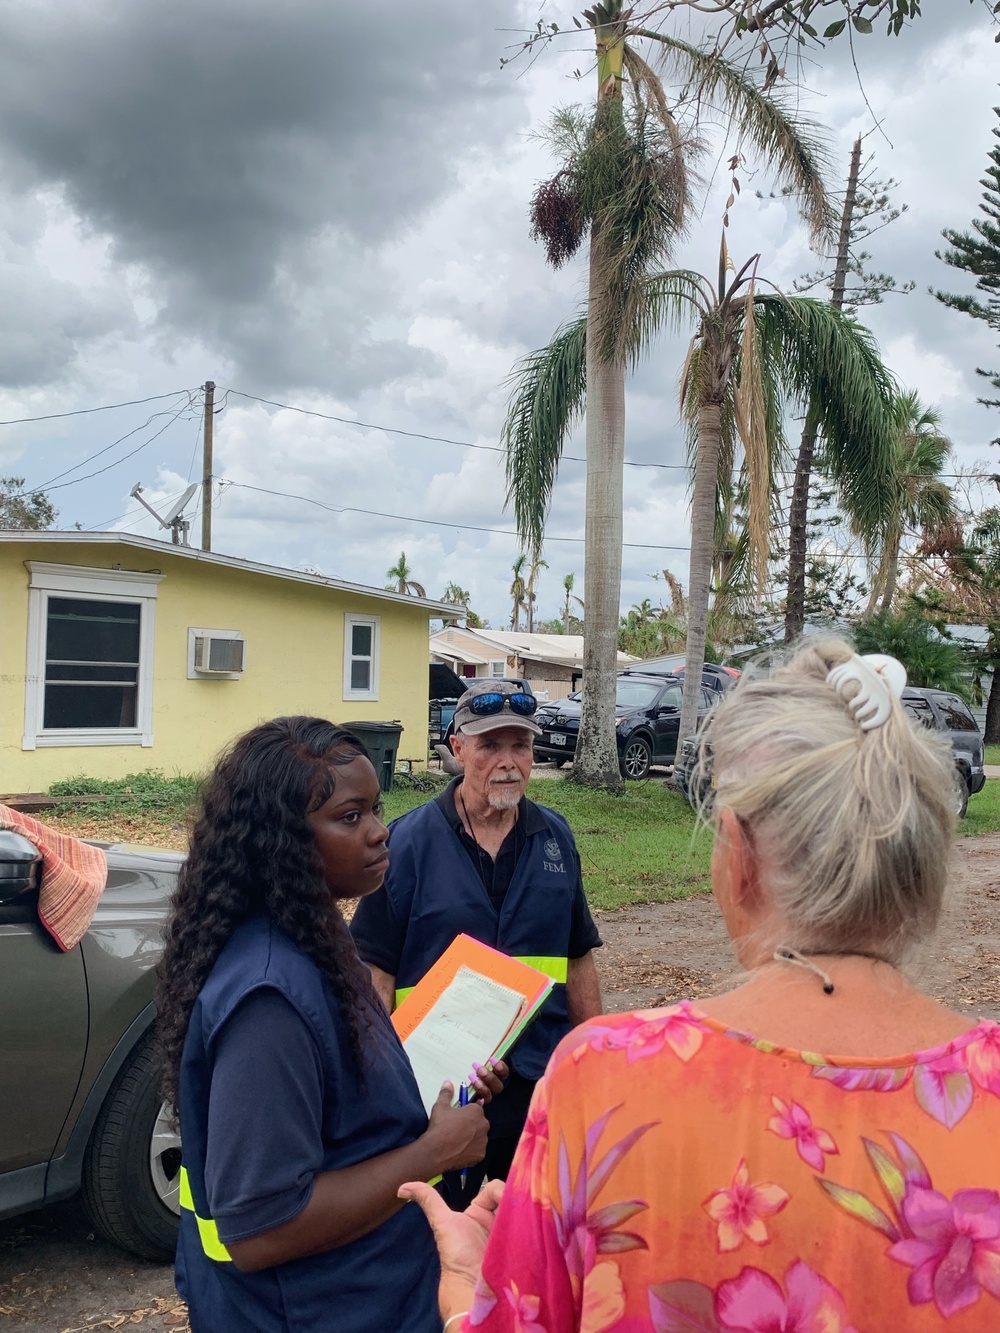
x=119, y=653
x=553, y=663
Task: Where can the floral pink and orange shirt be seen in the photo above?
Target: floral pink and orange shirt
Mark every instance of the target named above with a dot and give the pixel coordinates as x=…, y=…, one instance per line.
x=676, y=1176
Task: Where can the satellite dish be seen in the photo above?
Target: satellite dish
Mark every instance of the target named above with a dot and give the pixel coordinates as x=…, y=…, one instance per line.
x=176, y=510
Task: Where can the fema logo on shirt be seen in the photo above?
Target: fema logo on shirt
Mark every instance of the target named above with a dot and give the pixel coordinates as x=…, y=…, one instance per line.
x=553, y=857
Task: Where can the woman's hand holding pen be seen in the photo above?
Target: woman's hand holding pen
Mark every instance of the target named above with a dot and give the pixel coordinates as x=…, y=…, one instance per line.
x=458, y=1133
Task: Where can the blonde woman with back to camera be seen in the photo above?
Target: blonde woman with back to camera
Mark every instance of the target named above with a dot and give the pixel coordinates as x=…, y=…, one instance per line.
x=814, y=1151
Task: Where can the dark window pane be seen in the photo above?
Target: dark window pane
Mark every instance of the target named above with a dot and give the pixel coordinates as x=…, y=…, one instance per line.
x=98, y=673
x=956, y=715
x=920, y=712
x=89, y=706
x=84, y=631
x=361, y=640
x=361, y=675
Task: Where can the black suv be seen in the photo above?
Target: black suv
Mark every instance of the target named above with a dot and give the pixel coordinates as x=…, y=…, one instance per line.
x=647, y=712
x=937, y=709
x=941, y=711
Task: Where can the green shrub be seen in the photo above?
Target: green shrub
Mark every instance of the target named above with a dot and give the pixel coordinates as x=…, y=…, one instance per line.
x=148, y=790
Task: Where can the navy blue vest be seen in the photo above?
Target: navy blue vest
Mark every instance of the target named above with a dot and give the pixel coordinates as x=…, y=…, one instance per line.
x=435, y=889
x=386, y=1279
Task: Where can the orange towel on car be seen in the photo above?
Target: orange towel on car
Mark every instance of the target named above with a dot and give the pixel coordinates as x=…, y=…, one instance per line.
x=73, y=877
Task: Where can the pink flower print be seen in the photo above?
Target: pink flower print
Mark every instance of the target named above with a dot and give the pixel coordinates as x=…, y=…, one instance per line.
x=740, y=1210
x=755, y=1303
x=953, y=1247
x=944, y=1089
x=983, y=1059
x=483, y=1303
x=675, y=1029
x=794, y=1122
x=525, y=1310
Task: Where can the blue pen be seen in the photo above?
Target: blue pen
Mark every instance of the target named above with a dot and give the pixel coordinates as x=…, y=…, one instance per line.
x=463, y=1100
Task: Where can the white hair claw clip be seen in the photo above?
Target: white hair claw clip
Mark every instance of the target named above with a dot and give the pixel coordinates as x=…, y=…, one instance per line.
x=880, y=679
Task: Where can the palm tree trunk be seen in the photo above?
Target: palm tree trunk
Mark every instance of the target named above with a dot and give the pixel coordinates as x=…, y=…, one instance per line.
x=798, y=516
x=706, y=474
x=596, y=762
x=795, y=602
x=891, y=578
x=991, y=732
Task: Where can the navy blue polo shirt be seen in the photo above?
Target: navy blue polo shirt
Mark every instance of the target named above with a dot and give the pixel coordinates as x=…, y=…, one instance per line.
x=274, y=1097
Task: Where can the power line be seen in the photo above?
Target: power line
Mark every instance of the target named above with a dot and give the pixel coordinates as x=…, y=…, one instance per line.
x=108, y=466
x=434, y=439
x=46, y=485
x=86, y=411
x=430, y=522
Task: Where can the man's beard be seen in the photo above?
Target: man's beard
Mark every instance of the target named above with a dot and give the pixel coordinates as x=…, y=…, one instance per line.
x=503, y=795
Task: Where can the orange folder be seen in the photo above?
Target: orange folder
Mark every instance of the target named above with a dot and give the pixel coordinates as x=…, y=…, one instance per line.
x=464, y=951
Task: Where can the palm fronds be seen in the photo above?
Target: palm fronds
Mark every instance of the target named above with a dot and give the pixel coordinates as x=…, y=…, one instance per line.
x=789, y=143
x=832, y=362
x=548, y=396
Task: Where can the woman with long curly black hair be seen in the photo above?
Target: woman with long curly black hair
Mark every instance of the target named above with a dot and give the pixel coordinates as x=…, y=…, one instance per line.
x=299, y=1112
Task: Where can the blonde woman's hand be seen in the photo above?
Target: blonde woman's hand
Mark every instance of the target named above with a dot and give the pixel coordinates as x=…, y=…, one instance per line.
x=460, y=1237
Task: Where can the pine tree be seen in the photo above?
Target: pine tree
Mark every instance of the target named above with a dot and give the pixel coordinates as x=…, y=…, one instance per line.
x=978, y=252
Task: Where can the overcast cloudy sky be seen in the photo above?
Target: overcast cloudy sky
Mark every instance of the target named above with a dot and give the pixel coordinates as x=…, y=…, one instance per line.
x=325, y=205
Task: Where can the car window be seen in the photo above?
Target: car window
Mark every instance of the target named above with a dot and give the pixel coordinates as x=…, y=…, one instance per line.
x=708, y=698
x=956, y=715
x=920, y=711
x=670, y=698
x=635, y=693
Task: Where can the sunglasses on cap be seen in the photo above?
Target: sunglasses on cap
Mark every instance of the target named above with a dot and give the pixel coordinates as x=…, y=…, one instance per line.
x=488, y=705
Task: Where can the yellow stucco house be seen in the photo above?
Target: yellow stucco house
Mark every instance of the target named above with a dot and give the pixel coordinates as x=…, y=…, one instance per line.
x=119, y=653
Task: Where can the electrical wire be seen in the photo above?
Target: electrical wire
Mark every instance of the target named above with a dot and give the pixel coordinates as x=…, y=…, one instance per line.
x=431, y=522
x=47, y=485
x=131, y=454
x=86, y=411
x=434, y=439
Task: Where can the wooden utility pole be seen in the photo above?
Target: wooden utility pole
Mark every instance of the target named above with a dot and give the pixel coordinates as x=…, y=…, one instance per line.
x=795, y=605
x=206, y=471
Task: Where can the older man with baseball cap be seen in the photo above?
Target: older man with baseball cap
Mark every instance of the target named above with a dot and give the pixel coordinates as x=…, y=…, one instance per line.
x=483, y=860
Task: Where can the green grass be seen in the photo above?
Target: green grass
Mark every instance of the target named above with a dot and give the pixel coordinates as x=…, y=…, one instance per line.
x=984, y=811
x=635, y=848
x=992, y=754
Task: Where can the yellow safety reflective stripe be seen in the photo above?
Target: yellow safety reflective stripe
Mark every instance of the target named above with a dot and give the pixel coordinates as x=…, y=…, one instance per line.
x=555, y=968
x=208, y=1232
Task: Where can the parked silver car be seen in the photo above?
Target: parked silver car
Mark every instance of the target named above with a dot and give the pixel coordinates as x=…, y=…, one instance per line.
x=80, y=1107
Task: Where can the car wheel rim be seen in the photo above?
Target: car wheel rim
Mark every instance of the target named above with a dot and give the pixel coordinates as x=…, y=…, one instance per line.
x=635, y=761
x=165, y=1160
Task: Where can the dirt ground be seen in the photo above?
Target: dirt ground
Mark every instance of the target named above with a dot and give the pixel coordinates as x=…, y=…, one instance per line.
x=57, y=1277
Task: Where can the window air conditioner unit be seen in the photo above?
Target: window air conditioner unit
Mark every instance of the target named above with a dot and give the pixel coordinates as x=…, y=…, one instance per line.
x=223, y=657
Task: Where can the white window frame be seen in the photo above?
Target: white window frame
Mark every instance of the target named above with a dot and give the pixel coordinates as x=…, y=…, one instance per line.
x=350, y=620
x=193, y=674
x=495, y=662
x=95, y=585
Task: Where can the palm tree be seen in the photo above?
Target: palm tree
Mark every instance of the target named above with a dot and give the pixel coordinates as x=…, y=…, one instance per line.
x=537, y=566
x=568, y=581
x=401, y=581
x=623, y=182
x=752, y=352
x=518, y=591
x=922, y=501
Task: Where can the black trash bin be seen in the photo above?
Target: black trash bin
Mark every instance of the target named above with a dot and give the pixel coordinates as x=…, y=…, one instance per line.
x=381, y=740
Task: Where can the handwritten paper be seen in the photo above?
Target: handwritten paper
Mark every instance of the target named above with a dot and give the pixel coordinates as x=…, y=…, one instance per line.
x=467, y=1023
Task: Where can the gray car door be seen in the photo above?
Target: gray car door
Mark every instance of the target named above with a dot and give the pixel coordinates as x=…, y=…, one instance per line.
x=43, y=1034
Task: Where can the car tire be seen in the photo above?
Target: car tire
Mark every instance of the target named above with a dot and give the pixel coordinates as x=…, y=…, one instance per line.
x=636, y=759
x=560, y=763
x=132, y=1164
x=961, y=795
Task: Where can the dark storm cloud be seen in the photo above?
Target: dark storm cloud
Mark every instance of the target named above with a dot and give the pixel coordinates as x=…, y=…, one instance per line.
x=253, y=157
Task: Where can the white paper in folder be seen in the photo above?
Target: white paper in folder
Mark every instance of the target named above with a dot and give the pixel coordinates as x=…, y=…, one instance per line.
x=467, y=1022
